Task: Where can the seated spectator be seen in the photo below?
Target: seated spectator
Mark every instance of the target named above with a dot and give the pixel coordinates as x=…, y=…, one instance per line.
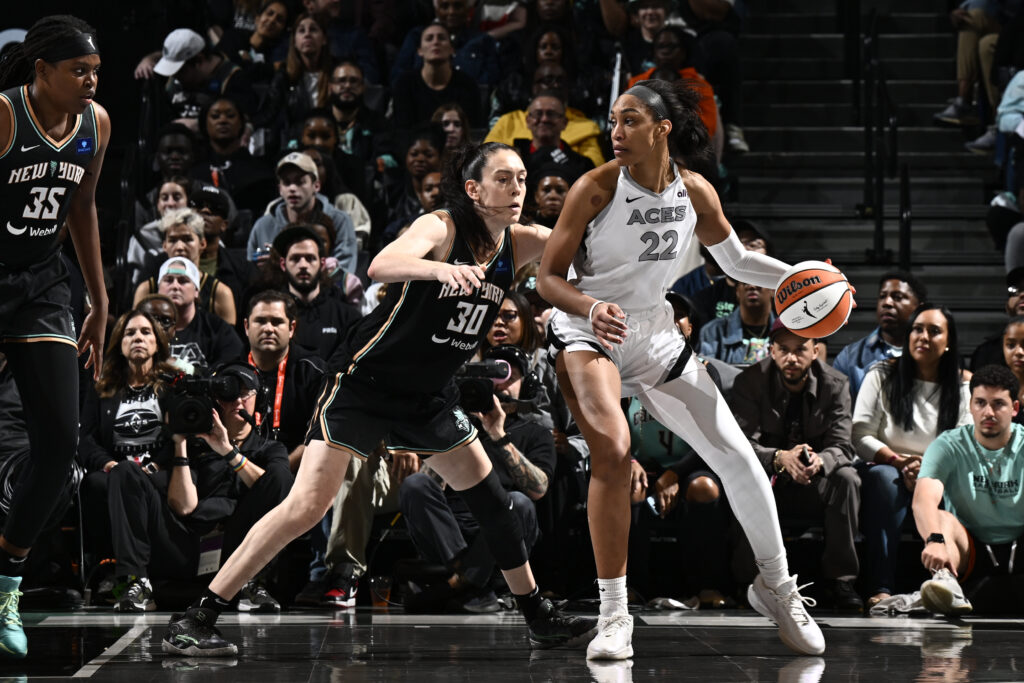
x=440, y=525
x=1013, y=354
x=967, y=503
x=226, y=162
x=229, y=477
x=638, y=46
x=977, y=26
x=346, y=39
x=322, y=315
x=338, y=193
x=184, y=236
x=196, y=74
x=263, y=43
x=742, y=337
x=290, y=376
x=903, y=404
x=717, y=25
x=173, y=158
x=719, y=299
x=301, y=84
x=545, y=119
x=350, y=284
x=172, y=194
x=475, y=52
x=161, y=309
x=453, y=121
x=899, y=295
x=402, y=190
x=228, y=265
x=990, y=351
x=298, y=184
x=581, y=134
x=200, y=338
x=795, y=410
x=701, y=277
x=550, y=185
x=417, y=94
x=123, y=417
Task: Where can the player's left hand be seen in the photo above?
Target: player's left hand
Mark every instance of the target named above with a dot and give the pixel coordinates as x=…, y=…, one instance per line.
x=94, y=329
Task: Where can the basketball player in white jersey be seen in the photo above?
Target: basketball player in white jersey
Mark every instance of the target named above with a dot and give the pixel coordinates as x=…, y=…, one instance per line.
x=606, y=268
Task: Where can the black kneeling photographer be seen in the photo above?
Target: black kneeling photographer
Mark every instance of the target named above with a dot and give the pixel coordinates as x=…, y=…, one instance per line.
x=441, y=526
x=229, y=476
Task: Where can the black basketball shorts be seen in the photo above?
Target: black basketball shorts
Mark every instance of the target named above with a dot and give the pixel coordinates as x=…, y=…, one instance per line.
x=35, y=304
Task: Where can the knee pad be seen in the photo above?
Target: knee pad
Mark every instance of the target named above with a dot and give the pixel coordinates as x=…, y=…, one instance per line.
x=491, y=505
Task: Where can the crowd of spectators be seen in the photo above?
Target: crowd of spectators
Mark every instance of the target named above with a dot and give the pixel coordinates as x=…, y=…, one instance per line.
x=297, y=139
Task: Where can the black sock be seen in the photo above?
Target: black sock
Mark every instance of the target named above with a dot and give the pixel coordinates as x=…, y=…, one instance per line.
x=11, y=565
x=529, y=604
x=212, y=602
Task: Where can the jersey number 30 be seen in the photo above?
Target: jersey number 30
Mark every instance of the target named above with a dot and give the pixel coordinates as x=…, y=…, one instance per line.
x=470, y=318
x=36, y=209
x=653, y=240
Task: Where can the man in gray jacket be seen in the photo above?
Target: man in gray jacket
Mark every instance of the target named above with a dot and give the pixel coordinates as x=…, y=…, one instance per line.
x=299, y=186
x=796, y=412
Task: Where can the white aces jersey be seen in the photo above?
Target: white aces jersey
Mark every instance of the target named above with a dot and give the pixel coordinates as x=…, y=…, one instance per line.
x=627, y=255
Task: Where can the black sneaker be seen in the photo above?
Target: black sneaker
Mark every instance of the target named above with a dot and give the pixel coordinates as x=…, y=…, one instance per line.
x=138, y=597
x=845, y=597
x=341, y=592
x=254, y=598
x=553, y=628
x=193, y=634
x=312, y=593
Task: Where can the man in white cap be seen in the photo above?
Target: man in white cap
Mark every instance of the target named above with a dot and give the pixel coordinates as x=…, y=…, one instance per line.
x=197, y=75
x=298, y=183
x=200, y=338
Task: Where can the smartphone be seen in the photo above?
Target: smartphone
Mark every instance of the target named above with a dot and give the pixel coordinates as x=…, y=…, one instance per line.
x=805, y=457
x=653, y=504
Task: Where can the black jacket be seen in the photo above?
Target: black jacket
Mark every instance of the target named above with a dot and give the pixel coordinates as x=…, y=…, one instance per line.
x=324, y=322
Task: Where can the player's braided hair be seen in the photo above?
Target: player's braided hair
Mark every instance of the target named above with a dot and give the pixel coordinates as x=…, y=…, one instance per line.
x=17, y=60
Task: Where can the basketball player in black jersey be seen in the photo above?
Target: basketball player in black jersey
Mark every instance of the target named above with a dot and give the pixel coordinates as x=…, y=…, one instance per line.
x=454, y=267
x=52, y=140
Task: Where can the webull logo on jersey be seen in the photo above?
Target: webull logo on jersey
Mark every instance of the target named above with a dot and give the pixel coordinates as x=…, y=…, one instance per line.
x=63, y=170
x=793, y=287
x=666, y=214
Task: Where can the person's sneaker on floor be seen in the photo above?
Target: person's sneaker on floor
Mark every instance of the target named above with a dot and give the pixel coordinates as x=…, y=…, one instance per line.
x=138, y=597
x=984, y=143
x=735, y=139
x=13, y=643
x=340, y=593
x=254, y=598
x=942, y=594
x=614, y=638
x=481, y=602
x=845, y=597
x=785, y=606
x=554, y=628
x=193, y=634
x=957, y=113
x=312, y=593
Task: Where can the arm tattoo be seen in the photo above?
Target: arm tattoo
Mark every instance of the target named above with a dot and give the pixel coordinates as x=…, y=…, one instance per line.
x=528, y=477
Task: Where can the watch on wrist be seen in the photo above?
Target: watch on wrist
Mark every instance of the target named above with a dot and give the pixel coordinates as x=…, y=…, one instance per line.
x=234, y=452
x=934, y=538
x=503, y=441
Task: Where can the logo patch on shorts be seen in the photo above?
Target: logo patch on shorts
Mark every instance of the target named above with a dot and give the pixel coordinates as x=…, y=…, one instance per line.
x=461, y=421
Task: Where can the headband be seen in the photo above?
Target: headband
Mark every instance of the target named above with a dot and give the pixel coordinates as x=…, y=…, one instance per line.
x=76, y=46
x=651, y=98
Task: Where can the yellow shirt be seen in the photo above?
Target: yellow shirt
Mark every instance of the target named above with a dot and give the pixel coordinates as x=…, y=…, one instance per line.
x=581, y=133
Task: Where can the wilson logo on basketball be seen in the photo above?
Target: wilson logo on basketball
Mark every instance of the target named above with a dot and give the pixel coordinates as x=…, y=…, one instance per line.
x=793, y=287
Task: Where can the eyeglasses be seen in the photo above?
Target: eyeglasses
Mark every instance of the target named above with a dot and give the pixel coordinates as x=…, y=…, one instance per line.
x=538, y=114
x=508, y=316
x=1012, y=291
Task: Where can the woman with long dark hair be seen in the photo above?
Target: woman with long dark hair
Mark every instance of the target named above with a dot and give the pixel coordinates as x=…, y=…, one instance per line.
x=622, y=226
x=449, y=271
x=302, y=82
x=903, y=404
x=52, y=140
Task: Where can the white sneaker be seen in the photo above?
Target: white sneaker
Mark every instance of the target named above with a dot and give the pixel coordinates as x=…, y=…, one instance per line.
x=984, y=143
x=614, y=639
x=785, y=606
x=735, y=139
x=942, y=594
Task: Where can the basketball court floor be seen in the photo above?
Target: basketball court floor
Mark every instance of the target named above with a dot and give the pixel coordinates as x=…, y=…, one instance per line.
x=370, y=644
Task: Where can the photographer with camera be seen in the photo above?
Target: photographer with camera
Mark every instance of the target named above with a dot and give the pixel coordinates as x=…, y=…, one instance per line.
x=230, y=477
x=523, y=455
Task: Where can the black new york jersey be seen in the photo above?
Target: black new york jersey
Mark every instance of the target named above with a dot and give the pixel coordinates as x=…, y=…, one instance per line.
x=423, y=331
x=38, y=176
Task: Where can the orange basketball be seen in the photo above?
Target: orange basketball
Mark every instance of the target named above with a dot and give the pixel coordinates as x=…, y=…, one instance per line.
x=813, y=299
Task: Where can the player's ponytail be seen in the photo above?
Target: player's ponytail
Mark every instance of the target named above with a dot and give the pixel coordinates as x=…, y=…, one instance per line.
x=689, y=138
x=467, y=163
x=47, y=36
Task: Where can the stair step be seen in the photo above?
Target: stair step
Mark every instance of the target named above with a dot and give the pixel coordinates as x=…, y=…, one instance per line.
x=832, y=46
x=849, y=191
x=797, y=68
x=781, y=210
x=850, y=139
x=823, y=22
x=910, y=114
x=836, y=91
x=850, y=164
x=761, y=8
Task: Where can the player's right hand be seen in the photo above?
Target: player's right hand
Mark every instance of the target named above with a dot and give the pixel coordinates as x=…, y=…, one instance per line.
x=609, y=324
x=464, y=277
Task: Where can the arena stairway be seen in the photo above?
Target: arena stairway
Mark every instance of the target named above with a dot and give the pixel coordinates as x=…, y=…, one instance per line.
x=803, y=179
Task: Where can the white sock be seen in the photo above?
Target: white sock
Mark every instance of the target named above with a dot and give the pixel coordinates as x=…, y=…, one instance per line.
x=613, y=596
x=775, y=570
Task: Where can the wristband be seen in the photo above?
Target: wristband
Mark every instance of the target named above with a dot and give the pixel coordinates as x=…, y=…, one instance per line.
x=241, y=464
x=590, y=315
x=503, y=441
x=779, y=467
x=233, y=453
x=180, y=462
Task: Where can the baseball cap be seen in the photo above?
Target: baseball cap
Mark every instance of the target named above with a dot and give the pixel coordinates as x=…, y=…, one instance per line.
x=296, y=233
x=212, y=198
x=178, y=265
x=180, y=45
x=301, y=161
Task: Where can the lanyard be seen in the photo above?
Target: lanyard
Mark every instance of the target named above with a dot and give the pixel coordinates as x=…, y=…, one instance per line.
x=278, y=391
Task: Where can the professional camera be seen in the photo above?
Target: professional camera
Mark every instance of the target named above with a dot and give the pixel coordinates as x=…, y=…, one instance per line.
x=190, y=406
x=476, y=383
